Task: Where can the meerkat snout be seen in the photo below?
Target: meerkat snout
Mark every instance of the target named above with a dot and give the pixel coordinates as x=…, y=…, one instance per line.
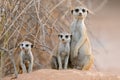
x=64, y=37
x=25, y=45
x=80, y=12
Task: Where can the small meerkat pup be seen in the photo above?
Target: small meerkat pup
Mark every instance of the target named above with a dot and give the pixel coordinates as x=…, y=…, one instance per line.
x=61, y=52
x=81, y=56
x=25, y=60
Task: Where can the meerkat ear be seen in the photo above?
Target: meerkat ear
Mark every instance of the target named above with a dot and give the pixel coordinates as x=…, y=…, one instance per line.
x=31, y=46
x=19, y=44
x=58, y=35
x=87, y=11
x=71, y=36
x=71, y=11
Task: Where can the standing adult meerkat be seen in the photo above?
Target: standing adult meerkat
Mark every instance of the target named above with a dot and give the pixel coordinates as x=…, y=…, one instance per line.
x=25, y=59
x=61, y=52
x=81, y=55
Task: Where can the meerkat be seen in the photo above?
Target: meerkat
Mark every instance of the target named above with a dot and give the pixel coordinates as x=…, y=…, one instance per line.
x=80, y=55
x=61, y=52
x=25, y=59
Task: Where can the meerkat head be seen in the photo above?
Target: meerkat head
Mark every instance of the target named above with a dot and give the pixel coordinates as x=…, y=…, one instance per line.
x=80, y=12
x=26, y=45
x=64, y=37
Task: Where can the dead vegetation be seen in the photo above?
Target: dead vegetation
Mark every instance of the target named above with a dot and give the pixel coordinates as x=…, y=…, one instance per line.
x=38, y=21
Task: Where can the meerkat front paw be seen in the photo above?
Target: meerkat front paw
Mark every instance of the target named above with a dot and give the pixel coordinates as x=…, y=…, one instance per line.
x=24, y=71
x=60, y=68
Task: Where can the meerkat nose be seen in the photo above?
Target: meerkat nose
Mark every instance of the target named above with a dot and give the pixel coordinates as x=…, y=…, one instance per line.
x=23, y=48
x=63, y=39
x=80, y=14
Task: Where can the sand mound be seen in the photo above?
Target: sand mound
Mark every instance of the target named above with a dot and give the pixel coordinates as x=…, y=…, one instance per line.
x=50, y=74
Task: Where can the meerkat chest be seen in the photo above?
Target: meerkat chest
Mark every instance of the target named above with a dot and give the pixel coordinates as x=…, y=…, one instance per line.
x=26, y=58
x=64, y=49
x=76, y=30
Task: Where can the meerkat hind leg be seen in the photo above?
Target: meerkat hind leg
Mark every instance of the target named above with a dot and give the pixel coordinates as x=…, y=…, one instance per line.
x=60, y=62
x=85, y=56
x=66, y=62
x=24, y=68
x=30, y=67
x=83, y=63
x=89, y=62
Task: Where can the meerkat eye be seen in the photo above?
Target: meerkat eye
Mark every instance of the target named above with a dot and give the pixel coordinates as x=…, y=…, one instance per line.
x=76, y=10
x=66, y=36
x=61, y=36
x=27, y=45
x=83, y=10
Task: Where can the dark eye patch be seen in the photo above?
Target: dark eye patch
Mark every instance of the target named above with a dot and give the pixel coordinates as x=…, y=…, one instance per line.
x=76, y=10
x=21, y=44
x=27, y=45
x=61, y=36
x=66, y=36
x=83, y=10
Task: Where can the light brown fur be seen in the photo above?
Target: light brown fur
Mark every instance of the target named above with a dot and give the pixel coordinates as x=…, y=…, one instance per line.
x=81, y=55
x=61, y=52
x=25, y=58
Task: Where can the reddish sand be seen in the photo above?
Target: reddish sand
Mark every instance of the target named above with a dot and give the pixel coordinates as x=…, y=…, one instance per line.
x=49, y=74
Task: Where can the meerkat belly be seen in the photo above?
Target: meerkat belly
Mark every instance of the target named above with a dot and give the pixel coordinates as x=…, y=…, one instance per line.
x=26, y=59
x=75, y=35
x=64, y=51
x=75, y=38
x=85, y=49
x=63, y=54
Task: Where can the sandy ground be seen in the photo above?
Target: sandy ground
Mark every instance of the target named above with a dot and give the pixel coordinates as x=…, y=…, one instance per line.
x=49, y=74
